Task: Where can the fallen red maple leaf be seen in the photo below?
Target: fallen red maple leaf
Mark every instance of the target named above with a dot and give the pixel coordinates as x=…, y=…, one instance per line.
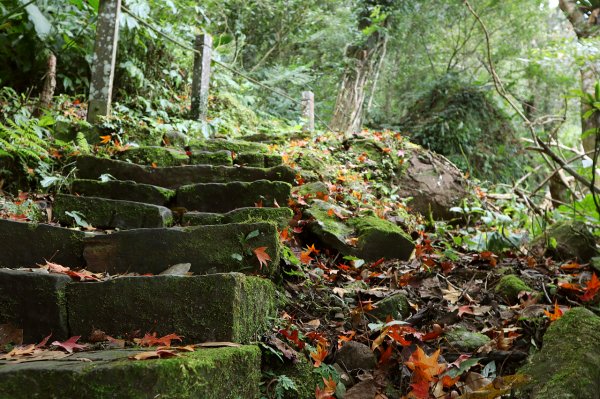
x=425, y=367
x=262, y=256
x=591, y=289
x=293, y=337
x=70, y=345
x=557, y=313
x=153, y=340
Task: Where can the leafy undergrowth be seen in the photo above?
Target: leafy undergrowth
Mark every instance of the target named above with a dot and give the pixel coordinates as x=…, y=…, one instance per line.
x=462, y=331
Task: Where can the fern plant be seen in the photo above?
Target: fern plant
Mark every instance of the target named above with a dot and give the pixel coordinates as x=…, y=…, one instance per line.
x=25, y=141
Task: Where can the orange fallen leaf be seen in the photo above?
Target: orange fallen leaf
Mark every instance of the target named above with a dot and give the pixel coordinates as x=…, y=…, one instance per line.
x=328, y=389
x=425, y=367
x=556, y=315
x=158, y=354
x=319, y=355
x=591, y=289
x=262, y=256
x=105, y=139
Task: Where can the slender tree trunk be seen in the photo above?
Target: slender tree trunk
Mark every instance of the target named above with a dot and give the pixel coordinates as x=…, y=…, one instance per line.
x=585, y=23
x=49, y=85
x=348, y=112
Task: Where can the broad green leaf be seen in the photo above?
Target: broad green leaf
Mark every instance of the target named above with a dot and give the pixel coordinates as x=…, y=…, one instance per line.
x=40, y=22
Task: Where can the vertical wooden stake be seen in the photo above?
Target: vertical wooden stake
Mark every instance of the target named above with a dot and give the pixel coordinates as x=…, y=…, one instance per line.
x=103, y=62
x=308, y=111
x=201, y=78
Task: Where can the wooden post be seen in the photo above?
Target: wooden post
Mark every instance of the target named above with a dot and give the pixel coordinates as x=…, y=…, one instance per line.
x=308, y=111
x=103, y=62
x=201, y=78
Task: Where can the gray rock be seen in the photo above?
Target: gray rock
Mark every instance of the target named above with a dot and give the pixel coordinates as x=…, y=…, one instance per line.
x=395, y=305
x=224, y=197
x=123, y=190
x=280, y=216
x=171, y=177
x=568, y=365
x=210, y=249
x=568, y=240
x=374, y=238
x=464, y=340
x=26, y=244
x=35, y=302
x=110, y=214
x=200, y=308
x=354, y=355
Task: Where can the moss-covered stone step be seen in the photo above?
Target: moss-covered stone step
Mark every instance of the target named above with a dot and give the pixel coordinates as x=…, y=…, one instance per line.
x=224, y=197
x=217, y=373
x=165, y=156
x=280, y=216
x=92, y=168
x=366, y=237
x=123, y=190
x=26, y=244
x=109, y=213
x=258, y=159
x=568, y=365
x=244, y=152
x=216, y=307
x=209, y=249
x=35, y=302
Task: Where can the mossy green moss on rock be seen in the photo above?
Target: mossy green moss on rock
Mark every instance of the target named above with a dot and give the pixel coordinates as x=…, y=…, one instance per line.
x=568, y=365
x=109, y=213
x=89, y=167
x=376, y=238
x=27, y=244
x=224, y=197
x=395, y=305
x=210, y=249
x=217, y=307
x=568, y=240
x=222, y=157
x=34, y=302
x=510, y=286
x=148, y=155
x=219, y=373
x=279, y=216
x=237, y=146
x=312, y=189
x=123, y=190
x=465, y=340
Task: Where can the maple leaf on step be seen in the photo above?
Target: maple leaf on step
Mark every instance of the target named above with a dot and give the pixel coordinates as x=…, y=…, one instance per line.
x=70, y=345
x=262, y=256
x=153, y=340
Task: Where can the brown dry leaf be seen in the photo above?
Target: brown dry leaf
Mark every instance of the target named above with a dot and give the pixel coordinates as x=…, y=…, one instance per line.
x=313, y=323
x=158, y=354
x=452, y=295
x=39, y=355
x=500, y=386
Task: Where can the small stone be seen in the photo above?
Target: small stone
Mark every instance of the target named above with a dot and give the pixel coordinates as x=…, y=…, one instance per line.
x=510, y=286
x=395, y=305
x=354, y=355
x=466, y=341
x=363, y=390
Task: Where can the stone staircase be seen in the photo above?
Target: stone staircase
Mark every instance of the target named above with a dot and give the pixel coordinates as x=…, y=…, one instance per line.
x=209, y=206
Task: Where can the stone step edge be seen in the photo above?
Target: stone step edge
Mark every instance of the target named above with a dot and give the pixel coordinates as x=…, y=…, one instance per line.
x=43, y=303
x=88, y=377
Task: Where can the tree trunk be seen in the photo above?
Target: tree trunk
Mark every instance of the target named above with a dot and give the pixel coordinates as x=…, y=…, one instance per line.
x=585, y=21
x=49, y=85
x=348, y=112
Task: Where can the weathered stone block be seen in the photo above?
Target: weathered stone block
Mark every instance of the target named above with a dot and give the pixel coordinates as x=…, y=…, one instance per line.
x=237, y=146
x=366, y=237
x=280, y=216
x=108, y=213
x=123, y=190
x=110, y=374
x=148, y=155
x=250, y=159
x=26, y=244
x=211, y=158
x=210, y=249
x=175, y=176
x=35, y=302
x=224, y=197
x=568, y=366
x=217, y=307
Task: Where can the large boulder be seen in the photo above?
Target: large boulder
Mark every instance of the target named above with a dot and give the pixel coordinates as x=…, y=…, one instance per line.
x=568, y=240
x=568, y=366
